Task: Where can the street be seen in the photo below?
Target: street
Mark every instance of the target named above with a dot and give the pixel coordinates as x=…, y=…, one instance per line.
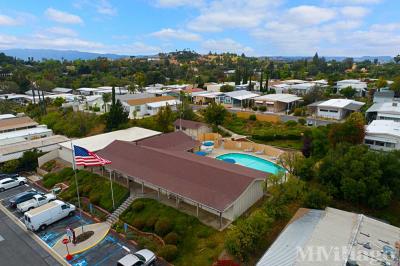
x=18, y=248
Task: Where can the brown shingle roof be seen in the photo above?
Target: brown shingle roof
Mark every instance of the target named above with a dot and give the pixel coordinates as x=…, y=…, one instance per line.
x=189, y=124
x=171, y=141
x=141, y=101
x=18, y=122
x=205, y=180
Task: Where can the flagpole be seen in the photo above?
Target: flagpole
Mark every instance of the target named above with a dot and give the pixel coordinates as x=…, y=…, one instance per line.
x=112, y=192
x=76, y=184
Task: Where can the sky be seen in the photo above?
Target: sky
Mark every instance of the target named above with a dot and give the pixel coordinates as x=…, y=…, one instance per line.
x=253, y=27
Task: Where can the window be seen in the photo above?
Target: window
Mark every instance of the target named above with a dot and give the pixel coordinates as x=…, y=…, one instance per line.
x=390, y=145
x=379, y=143
x=323, y=110
x=64, y=207
x=368, y=141
x=42, y=198
x=137, y=108
x=333, y=111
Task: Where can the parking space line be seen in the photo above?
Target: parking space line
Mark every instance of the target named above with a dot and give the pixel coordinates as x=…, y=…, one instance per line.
x=108, y=256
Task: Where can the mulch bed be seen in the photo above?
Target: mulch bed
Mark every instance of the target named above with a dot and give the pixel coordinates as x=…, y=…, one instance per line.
x=83, y=237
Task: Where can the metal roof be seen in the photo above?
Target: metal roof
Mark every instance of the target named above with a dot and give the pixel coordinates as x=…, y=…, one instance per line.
x=241, y=94
x=342, y=103
x=283, y=251
x=31, y=144
x=283, y=97
x=384, y=127
x=98, y=142
x=385, y=108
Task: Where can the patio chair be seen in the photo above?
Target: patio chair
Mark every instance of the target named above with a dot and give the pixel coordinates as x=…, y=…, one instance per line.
x=259, y=152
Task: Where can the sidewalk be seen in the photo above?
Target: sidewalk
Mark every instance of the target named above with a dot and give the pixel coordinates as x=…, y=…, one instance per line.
x=100, y=231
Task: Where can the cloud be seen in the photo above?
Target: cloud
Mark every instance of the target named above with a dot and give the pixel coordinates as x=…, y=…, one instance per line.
x=62, y=17
x=41, y=41
x=179, y=3
x=354, y=11
x=354, y=2
x=386, y=27
x=225, y=45
x=62, y=31
x=219, y=15
x=310, y=15
x=104, y=7
x=137, y=48
x=8, y=21
x=168, y=33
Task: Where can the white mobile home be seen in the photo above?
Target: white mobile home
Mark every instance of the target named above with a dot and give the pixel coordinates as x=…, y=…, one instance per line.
x=383, y=135
x=337, y=109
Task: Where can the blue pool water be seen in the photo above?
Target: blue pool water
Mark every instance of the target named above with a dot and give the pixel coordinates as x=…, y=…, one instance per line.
x=252, y=162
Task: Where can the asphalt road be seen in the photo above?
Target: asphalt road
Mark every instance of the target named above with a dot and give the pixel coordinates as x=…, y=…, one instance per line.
x=107, y=252
x=18, y=248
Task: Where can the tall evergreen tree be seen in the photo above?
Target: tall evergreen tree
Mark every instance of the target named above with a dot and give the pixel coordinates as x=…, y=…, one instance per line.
x=117, y=116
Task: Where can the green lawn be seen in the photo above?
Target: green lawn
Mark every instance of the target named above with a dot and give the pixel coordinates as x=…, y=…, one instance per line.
x=92, y=186
x=285, y=135
x=197, y=243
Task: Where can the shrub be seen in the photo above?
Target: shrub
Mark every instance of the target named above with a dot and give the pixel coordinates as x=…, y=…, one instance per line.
x=316, y=199
x=298, y=112
x=168, y=252
x=10, y=166
x=162, y=227
x=138, y=206
x=95, y=198
x=145, y=242
x=262, y=108
x=255, y=108
x=291, y=123
x=253, y=117
x=171, y=238
x=138, y=223
x=150, y=222
x=96, y=109
x=302, y=121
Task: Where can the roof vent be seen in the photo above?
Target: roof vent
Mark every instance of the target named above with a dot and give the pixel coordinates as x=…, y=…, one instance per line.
x=367, y=245
x=394, y=104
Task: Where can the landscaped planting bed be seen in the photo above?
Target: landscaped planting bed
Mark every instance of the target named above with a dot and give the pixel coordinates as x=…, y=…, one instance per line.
x=92, y=186
x=187, y=240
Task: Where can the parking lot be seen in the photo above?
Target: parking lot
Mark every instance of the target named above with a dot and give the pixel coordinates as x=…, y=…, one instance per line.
x=107, y=252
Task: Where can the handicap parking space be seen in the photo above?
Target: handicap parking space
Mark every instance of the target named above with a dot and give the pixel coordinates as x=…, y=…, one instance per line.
x=107, y=252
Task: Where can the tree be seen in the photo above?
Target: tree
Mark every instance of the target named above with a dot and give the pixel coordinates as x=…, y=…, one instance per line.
x=165, y=117
x=351, y=131
x=140, y=80
x=314, y=95
x=28, y=161
x=289, y=160
x=397, y=59
x=117, y=115
x=184, y=109
x=8, y=87
x=381, y=83
x=396, y=85
x=316, y=199
x=227, y=88
x=348, y=92
x=215, y=114
x=58, y=101
x=106, y=99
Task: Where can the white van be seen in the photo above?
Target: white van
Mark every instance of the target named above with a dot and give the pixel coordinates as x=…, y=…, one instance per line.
x=41, y=217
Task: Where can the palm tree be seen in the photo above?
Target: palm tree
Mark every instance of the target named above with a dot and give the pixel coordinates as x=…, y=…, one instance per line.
x=106, y=98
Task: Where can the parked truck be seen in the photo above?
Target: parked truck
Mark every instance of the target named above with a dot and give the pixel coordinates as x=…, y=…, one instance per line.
x=36, y=201
x=39, y=218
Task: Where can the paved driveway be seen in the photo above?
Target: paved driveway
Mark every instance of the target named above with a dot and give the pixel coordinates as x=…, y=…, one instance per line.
x=107, y=252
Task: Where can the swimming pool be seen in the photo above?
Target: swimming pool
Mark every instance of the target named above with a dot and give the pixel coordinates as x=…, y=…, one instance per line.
x=252, y=162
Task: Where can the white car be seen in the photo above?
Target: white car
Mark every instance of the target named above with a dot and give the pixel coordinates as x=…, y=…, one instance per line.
x=36, y=201
x=7, y=183
x=143, y=257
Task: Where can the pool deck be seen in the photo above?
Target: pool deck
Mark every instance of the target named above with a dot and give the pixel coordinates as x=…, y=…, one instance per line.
x=220, y=151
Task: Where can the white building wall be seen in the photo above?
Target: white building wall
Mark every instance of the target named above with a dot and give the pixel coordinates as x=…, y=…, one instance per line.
x=250, y=196
x=329, y=112
x=382, y=142
x=17, y=155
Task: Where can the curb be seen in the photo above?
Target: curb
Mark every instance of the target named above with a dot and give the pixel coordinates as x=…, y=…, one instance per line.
x=54, y=254
x=87, y=248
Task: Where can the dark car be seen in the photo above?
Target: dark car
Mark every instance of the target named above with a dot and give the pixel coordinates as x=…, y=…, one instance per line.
x=23, y=196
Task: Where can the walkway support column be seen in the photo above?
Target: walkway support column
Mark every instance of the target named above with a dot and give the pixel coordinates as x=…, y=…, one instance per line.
x=197, y=210
x=142, y=188
x=158, y=194
x=220, y=220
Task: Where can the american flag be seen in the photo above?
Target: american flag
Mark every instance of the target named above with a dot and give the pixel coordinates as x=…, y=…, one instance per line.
x=87, y=158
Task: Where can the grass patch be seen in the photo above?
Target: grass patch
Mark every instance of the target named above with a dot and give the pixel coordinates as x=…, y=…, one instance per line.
x=197, y=244
x=92, y=186
x=285, y=135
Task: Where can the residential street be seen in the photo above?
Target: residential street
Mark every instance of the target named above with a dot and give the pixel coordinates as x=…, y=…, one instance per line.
x=18, y=248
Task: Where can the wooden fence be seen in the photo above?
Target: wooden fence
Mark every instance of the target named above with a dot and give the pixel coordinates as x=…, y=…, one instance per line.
x=260, y=149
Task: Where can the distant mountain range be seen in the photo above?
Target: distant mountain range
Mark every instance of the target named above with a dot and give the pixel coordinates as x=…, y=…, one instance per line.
x=39, y=54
